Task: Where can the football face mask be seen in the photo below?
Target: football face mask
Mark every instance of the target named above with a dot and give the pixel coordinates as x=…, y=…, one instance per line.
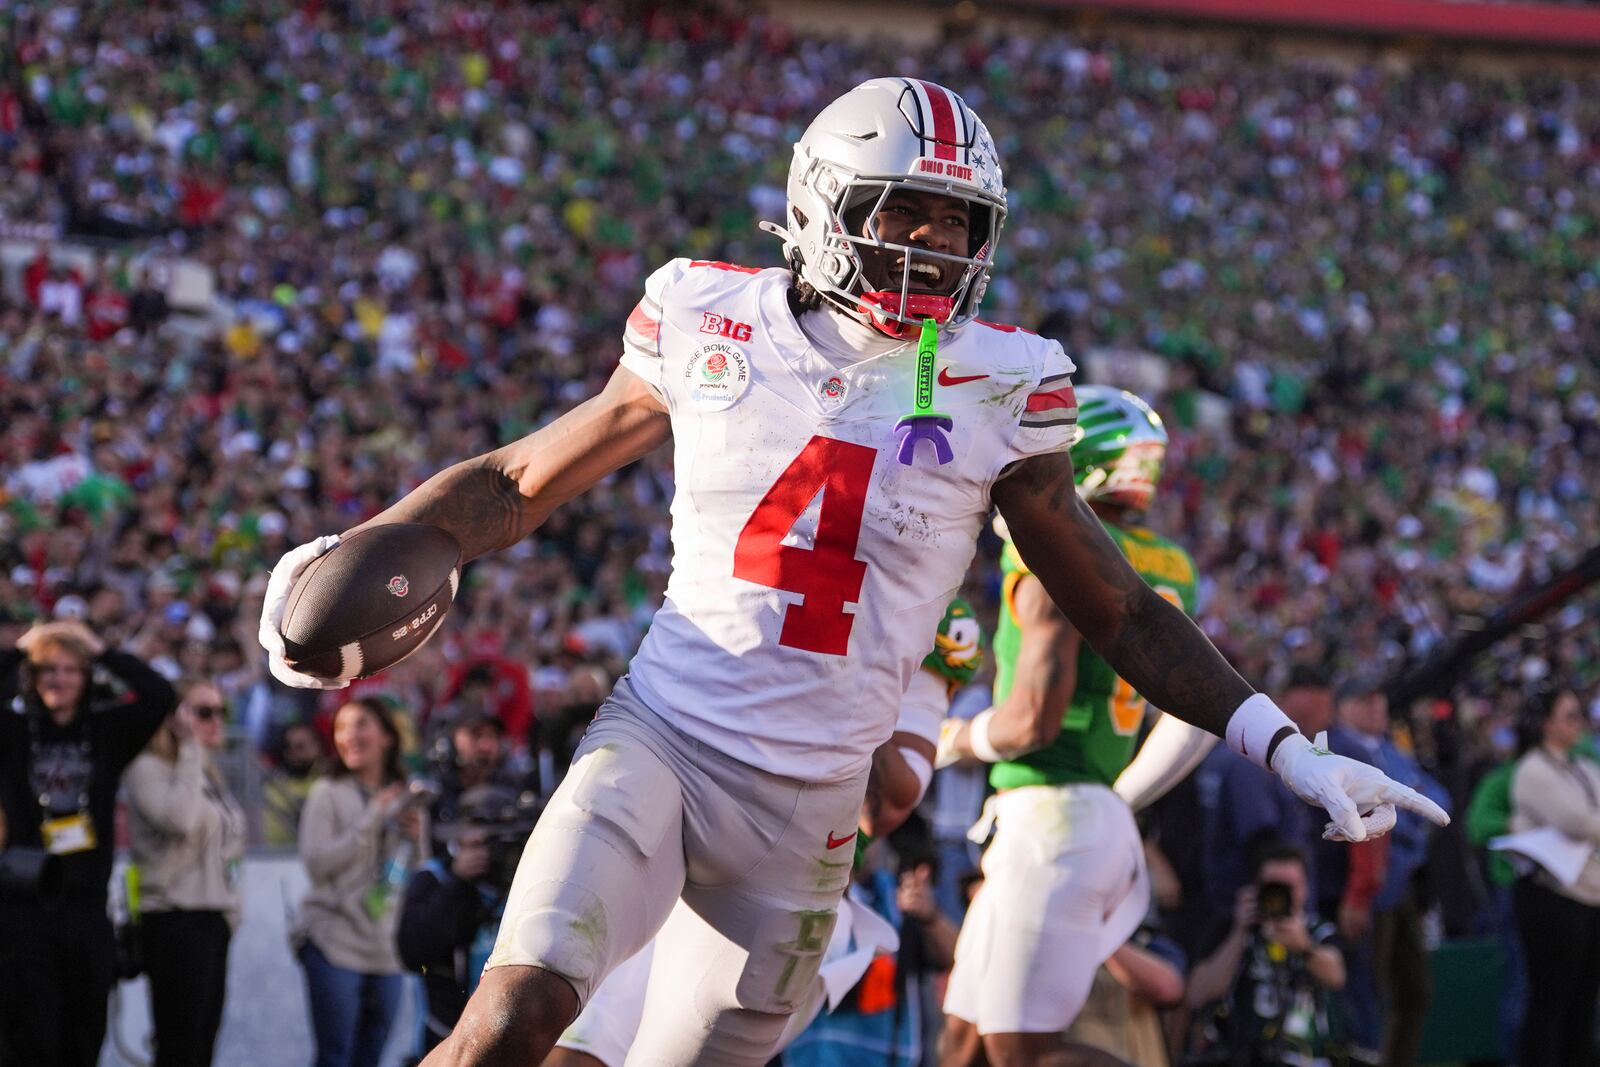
x=885, y=143
x=910, y=249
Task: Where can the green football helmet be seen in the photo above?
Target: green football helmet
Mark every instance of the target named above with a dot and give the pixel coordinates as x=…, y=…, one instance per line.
x=1121, y=444
x=958, y=646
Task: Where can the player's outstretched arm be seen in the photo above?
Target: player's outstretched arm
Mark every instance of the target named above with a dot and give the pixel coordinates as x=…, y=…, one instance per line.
x=1157, y=649
x=1029, y=717
x=495, y=500
x=1173, y=749
x=1150, y=643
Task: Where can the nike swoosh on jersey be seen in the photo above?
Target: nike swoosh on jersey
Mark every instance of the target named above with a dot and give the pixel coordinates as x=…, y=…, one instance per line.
x=834, y=843
x=946, y=378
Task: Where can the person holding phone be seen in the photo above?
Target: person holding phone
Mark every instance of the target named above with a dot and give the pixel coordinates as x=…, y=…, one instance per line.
x=1263, y=989
x=187, y=834
x=360, y=830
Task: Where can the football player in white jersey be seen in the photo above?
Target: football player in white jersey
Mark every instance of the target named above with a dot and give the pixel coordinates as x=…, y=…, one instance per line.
x=902, y=767
x=828, y=500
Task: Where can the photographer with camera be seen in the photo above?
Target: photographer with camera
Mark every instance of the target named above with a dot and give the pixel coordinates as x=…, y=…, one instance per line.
x=186, y=833
x=474, y=753
x=452, y=906
x=1267, y=980
x=73, y=715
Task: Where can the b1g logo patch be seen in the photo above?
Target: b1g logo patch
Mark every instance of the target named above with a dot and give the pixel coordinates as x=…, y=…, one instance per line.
x=399, y=586
x=716, y=375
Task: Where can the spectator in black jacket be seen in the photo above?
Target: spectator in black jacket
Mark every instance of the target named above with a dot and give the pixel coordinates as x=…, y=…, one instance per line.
x=73, y=715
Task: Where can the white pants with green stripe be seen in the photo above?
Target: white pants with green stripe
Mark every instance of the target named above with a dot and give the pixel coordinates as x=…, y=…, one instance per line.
x=1064, y=886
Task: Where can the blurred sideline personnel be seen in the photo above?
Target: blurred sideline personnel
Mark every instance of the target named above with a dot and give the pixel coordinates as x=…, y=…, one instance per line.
x=476, y=753
x=301, y=761
x=359, y=833
x=1122, y=1013
x=1381, y=931
x=901, y=769
x=1065, y=883
x=735, y=752
x=73, y=715
x=1269, y=978
x=452, y=907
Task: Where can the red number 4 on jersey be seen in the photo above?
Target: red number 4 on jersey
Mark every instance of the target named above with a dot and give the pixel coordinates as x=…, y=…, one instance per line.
x=828, y=573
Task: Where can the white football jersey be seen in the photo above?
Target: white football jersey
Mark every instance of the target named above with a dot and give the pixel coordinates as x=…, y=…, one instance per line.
x=810, y=566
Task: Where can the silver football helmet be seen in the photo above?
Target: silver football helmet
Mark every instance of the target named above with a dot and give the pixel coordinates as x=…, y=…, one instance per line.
x=885, y=135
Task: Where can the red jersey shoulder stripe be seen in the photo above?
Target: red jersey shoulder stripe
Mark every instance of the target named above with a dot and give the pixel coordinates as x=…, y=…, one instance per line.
x=1056, y=405
x=1005, y=327
x=644, y=322
x=720, y=265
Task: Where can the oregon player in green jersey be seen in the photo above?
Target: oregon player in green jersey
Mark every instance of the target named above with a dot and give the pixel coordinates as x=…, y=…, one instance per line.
x=1065, y=881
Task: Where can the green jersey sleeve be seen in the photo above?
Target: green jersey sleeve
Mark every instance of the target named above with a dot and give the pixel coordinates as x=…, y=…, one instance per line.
x=1101, y=722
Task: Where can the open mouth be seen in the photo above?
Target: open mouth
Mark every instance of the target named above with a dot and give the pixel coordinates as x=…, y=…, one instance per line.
x=924, y=275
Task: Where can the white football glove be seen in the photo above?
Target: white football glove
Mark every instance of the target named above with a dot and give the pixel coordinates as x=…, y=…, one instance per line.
x=277, y=598
x=1347, y=788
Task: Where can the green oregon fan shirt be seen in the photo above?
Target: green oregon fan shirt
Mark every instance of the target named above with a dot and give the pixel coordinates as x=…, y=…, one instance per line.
x=1101, y=722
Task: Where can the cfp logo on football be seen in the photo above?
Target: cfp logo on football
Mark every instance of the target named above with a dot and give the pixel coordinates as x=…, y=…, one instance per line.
x=416, y=624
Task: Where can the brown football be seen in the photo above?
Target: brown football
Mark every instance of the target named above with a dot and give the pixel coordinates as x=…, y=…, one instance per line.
x=372, y=601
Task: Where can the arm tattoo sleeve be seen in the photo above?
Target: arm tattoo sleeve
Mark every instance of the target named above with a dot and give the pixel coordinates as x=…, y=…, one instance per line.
x=1150, y=643
x=477, y=504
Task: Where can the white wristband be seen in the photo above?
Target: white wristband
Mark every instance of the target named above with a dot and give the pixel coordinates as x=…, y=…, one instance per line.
x=978, y=737
x=919, y=766
x=1255, y=726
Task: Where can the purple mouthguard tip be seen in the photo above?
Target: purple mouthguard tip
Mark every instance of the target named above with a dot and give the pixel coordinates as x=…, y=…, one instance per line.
x=914, y=428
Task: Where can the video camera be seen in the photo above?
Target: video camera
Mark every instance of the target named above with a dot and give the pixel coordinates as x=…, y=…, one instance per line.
x=29, y=874
x=503, y=818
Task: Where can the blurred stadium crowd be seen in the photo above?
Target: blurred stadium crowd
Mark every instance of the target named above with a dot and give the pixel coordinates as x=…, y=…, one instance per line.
x=1372, y=290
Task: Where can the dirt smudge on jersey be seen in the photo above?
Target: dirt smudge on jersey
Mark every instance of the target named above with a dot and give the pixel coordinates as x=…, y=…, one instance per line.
x=905, y=520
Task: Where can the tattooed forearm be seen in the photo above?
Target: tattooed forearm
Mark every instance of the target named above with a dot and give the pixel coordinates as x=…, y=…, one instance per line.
x=1150, y=643
x=473, y=501
x=495, y=500
x=1163, y=655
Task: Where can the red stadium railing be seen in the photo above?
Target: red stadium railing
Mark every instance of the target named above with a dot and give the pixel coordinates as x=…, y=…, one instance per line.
x=1508, y=24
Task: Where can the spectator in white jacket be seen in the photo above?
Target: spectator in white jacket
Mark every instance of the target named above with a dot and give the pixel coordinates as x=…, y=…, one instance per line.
x=186, y=833
x=1559, y=924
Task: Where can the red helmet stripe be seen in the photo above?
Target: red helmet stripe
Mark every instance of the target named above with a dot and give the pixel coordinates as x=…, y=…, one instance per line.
x=944, y=120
